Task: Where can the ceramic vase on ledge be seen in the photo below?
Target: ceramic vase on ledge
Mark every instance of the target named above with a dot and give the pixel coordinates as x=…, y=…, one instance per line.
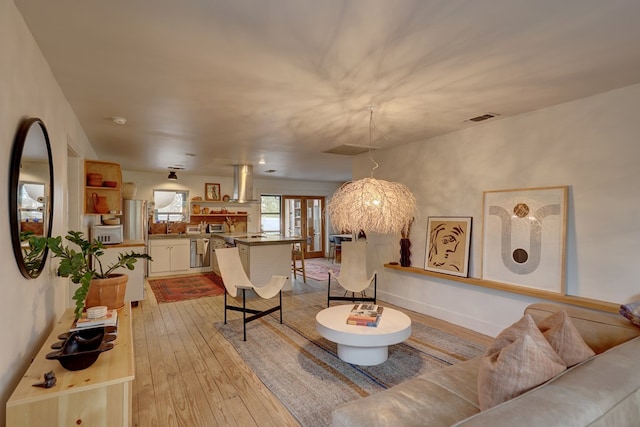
x=405, y=252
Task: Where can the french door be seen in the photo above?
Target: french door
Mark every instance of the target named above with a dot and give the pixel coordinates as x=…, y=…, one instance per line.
x=303, y=218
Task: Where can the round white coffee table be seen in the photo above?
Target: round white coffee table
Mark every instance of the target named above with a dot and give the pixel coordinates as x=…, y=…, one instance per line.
x=363, y=345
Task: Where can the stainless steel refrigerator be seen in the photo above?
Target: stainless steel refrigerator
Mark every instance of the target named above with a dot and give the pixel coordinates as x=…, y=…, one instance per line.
x=134, y=220
x=135, y=227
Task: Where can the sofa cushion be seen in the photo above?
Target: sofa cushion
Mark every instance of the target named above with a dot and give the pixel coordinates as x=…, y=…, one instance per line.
x=565, y=339
x=437, y=399
x=600, y=330
x=519, y=359
x=603, y=391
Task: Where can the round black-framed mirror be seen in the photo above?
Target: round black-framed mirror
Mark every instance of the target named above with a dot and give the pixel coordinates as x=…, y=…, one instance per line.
x=30, y=195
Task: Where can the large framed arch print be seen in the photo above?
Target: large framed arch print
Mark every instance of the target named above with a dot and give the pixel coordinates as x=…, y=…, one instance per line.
x=524, y=237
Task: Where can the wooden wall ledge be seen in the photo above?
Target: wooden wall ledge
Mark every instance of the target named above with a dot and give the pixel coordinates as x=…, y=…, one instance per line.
x=506, y=287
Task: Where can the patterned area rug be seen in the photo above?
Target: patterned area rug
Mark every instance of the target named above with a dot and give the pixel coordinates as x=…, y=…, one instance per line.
x=304, y=372
x=318, y=269
x=179, y=288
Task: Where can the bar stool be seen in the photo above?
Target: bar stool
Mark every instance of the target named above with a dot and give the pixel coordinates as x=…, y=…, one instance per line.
x=297, y=253
x=337, y=249
x=332, y=246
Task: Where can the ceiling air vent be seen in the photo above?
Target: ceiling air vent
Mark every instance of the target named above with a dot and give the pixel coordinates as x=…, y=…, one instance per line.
x=483, y=117
x=349, y=149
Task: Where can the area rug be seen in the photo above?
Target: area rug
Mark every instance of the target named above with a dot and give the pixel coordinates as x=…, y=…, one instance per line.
x=304, y=372
x=180, y=288
x=319, y=269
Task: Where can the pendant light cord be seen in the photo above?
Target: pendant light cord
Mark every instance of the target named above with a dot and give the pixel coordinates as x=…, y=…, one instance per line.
x=370, y=131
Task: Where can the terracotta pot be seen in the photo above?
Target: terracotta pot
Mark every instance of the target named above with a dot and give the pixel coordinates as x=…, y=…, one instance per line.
x=100, y=204
x=94, y=180
x=109, y=292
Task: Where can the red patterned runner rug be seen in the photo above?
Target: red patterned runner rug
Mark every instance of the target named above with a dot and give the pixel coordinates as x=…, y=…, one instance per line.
x=318, y=268
x=180, y=288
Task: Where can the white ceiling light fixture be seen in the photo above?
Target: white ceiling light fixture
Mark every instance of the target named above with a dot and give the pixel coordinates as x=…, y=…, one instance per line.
x=372, y=205
x=119, y=120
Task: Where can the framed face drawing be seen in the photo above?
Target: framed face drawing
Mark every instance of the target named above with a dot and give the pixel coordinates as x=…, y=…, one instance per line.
x=524, y=234
x=448, y=243
x=212, y=192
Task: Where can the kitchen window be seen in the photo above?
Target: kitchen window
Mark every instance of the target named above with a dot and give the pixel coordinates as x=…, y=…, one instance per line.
x=170, y=205
x=270, y=210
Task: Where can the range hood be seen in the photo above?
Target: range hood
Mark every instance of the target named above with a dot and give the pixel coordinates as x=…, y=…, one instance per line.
x=243, y=184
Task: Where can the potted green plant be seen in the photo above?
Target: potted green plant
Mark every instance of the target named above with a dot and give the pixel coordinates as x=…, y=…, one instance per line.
x=85, y=268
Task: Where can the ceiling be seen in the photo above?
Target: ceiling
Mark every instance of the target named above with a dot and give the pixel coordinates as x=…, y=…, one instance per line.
x=205, y=84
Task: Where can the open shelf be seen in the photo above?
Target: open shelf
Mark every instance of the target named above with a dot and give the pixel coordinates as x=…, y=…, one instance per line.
x=221, y=215
x=506, y=287
x=110, y=172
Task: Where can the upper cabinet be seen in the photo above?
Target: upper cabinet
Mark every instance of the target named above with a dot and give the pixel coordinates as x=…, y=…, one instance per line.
x=103, y=188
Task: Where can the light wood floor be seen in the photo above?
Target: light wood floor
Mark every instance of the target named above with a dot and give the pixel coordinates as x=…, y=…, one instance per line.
x=187, y=374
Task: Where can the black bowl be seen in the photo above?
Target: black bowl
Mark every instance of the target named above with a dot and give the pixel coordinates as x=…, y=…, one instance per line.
x=81, y=348
x=88, y=334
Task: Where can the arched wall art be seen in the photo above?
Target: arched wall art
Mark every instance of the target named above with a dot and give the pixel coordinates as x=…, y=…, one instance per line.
x=524, y=235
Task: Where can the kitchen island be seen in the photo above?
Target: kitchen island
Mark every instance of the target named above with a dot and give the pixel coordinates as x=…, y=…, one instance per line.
x=262, y=255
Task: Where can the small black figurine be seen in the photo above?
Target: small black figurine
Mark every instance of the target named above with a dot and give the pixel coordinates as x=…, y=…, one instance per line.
x=49, y=380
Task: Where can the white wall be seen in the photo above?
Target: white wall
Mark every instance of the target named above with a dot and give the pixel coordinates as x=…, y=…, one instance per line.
x=590, y=145
x=29, y=307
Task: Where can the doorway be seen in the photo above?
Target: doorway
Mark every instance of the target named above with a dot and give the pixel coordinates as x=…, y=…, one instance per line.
x=303, y=218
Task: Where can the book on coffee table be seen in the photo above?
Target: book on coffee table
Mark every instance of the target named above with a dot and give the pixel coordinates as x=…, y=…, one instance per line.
x=365, y=315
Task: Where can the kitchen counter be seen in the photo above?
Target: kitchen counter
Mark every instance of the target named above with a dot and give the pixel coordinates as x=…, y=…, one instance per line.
x=126, y=244
x=179, y=236
x=255, y=239
x=251, y=239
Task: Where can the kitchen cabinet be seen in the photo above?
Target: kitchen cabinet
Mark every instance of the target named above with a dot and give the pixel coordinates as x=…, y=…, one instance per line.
x=110, y=172
x=170, y=256
x=135, y=283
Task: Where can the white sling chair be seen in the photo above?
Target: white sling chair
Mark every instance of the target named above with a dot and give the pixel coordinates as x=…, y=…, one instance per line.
x=235, y=278
x=353, y=274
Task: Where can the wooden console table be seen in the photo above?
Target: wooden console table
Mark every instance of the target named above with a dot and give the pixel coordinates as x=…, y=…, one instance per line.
x=100, y=395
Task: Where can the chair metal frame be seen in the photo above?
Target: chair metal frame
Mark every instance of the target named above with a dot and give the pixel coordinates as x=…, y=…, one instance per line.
x=235, y=278
x=256, y=314
x=364, y=280
x=353, y=298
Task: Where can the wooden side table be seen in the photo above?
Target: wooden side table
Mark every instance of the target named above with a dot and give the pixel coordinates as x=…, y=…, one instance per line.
x=100, y=395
